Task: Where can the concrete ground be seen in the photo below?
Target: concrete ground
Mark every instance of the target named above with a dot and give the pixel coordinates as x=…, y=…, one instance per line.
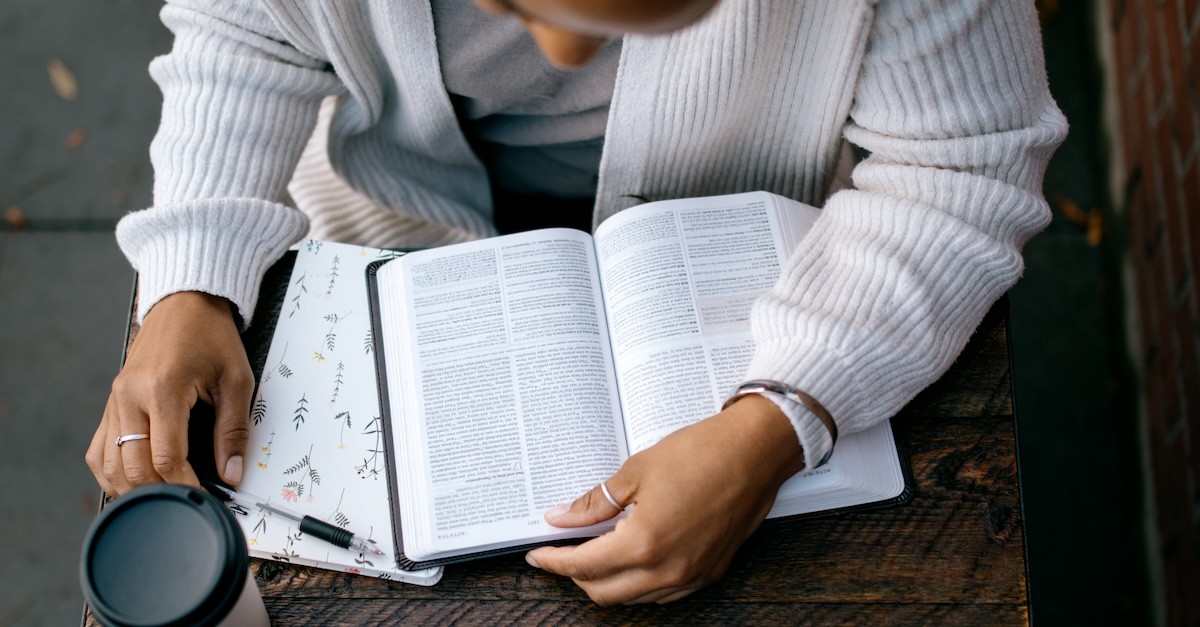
x=70, y=168
x=68, y=171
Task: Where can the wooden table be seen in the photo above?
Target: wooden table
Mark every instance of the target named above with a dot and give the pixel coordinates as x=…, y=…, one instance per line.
x=953, y=555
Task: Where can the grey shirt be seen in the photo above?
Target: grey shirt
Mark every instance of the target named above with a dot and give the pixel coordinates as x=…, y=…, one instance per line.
x=537, y=129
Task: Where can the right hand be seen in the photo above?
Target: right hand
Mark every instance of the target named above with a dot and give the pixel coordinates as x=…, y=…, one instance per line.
x=188, y=350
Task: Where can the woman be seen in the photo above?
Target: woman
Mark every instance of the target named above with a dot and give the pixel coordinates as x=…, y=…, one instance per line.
x=450, y=120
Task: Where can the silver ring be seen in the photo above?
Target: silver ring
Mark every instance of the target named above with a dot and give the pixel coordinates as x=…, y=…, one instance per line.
x=608, y=495
x=131, y=437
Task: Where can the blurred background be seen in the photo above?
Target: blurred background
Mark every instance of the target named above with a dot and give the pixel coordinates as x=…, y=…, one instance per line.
x=1104, y=325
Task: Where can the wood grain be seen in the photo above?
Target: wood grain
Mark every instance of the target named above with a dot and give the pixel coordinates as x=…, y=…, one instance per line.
x=953, y=555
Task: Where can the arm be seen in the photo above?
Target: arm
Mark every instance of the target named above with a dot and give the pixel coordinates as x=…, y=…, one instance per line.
x=238, y=106
x=953, y=106
x=954, y=109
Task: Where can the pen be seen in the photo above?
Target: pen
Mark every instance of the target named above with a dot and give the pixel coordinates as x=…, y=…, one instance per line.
x=330, y=533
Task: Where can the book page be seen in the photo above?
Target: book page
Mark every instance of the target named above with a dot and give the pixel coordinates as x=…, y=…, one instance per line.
x=679, y=279
x=503, y=378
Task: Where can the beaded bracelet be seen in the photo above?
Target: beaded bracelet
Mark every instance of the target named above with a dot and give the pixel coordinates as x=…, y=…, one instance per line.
x=760, y=386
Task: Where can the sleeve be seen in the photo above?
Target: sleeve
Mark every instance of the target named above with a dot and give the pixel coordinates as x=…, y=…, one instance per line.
x=238, y=106
x=953, y=107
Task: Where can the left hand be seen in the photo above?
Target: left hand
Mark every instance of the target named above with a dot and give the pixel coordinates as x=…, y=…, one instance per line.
x=697, y=495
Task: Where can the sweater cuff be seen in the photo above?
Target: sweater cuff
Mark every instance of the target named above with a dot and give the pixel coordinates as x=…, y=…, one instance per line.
x=220, y=247
x=815, y=440
x=822, y=374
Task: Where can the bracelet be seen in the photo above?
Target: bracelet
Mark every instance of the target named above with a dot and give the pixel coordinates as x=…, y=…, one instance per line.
x=759, y=386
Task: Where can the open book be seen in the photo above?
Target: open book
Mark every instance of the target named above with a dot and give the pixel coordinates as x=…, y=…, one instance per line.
x=518, y=372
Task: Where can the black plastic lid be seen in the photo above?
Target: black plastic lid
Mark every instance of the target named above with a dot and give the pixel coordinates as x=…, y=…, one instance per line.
x=163, y=555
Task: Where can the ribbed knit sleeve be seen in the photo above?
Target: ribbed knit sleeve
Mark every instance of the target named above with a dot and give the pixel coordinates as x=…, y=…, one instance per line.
x=238, y=107
x=953, y=106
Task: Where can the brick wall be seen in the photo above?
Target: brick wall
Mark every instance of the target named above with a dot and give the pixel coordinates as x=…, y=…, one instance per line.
x=1156, y=86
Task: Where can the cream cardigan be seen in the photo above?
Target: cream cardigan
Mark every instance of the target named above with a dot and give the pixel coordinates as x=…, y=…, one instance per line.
x=948, y=98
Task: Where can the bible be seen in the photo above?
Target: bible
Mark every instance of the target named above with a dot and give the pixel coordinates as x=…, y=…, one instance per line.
x=517, y=372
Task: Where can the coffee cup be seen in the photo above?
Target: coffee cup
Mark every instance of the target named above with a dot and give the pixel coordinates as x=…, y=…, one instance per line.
x=169, y=555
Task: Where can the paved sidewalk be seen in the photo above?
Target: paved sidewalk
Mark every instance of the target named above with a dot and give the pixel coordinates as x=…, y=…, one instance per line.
x=68, y=170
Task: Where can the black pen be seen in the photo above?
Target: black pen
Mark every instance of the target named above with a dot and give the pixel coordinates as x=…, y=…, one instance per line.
x=330, y=533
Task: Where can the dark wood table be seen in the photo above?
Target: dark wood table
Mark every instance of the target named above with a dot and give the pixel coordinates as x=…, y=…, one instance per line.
x=954, y=555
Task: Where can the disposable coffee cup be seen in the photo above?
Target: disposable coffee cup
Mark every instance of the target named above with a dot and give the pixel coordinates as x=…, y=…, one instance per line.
x=169, y=555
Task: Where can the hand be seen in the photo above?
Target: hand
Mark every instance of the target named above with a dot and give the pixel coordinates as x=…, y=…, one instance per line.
x=187, y=350
x=696, y=496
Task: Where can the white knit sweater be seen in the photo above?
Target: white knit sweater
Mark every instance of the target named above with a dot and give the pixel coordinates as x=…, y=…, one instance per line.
x=948, y=97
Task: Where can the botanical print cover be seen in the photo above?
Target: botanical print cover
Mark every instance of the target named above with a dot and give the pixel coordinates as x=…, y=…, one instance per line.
x=316, y=442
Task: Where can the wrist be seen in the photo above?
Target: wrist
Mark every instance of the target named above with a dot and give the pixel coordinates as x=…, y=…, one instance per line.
x=192, y=308
x=771, y=445
x=199, y=301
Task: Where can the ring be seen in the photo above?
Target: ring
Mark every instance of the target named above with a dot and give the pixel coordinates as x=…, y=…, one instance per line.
x=608, y=495
x=131, y=437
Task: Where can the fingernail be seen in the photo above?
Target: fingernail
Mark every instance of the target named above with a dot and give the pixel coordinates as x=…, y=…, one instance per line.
x=532, y=562
x=556, y=511
x=233, y=469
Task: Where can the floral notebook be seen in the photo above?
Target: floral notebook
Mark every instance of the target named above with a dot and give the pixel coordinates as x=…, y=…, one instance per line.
x=316, y=442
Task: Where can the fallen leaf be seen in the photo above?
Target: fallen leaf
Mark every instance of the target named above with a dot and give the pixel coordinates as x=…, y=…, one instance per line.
x=1071, y=211
x=1095, y=228
x=90, y=501
x=76, y=138
x=63, y=80
x=1046, y=9
x=16, y=218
